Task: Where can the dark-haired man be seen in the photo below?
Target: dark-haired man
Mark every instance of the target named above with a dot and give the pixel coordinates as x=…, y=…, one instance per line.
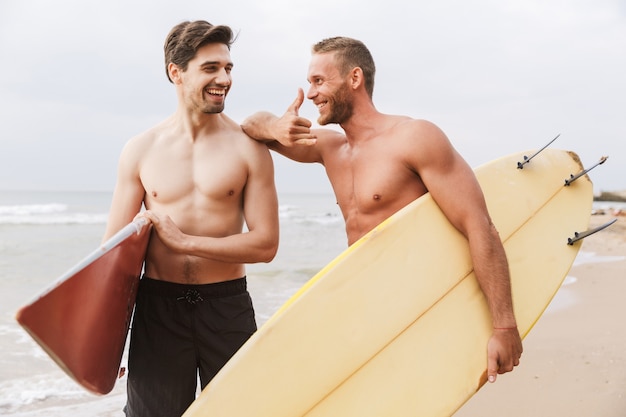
x=200, y=178
x=380, y=163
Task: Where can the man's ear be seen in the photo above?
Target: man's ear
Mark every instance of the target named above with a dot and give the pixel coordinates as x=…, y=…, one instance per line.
x=175, y=72
x=356, y=77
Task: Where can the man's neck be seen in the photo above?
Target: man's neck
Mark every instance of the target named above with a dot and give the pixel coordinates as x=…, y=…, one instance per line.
x=362, y=125
x=197, y=124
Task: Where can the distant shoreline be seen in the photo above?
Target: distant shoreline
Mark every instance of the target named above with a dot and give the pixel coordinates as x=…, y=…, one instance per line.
x=619, y=196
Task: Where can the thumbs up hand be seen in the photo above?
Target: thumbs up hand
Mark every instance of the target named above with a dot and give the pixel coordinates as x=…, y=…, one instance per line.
x=290, y=129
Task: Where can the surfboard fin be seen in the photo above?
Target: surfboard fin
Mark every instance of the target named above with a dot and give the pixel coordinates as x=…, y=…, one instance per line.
x=580, y=236
x=520, y=165
x=573, y=178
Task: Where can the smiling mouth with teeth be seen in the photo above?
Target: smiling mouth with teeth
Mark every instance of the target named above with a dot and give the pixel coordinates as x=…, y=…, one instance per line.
x=216, y=91
x=321, y=104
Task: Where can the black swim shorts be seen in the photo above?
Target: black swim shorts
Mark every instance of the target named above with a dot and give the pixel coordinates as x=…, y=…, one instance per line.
x=180, y=332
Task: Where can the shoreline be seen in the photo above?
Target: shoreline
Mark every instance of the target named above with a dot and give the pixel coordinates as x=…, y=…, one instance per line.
x=574, y=360
x=616, y=195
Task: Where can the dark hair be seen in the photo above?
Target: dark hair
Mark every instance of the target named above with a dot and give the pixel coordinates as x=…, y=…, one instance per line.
x=350, y=53
x=186, y=38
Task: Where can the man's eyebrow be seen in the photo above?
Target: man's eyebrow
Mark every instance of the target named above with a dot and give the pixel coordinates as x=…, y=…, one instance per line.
x=212, y=63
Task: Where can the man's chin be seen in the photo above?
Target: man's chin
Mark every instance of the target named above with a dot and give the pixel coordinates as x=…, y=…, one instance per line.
x=324, y=120
x=213, y=110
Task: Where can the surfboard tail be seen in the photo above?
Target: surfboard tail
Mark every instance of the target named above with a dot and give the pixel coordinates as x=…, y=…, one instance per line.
x=83, y=320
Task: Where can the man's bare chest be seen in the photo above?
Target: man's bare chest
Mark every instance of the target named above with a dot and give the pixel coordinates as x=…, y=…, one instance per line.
x=212, y=175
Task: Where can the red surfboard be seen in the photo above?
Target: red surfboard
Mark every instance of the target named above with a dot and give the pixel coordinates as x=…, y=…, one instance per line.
x=82, y=319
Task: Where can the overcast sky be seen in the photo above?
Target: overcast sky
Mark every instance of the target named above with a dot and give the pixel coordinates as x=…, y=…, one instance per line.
x=79, y=78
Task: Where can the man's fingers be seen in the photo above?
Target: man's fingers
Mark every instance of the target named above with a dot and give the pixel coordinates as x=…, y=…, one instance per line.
x=492, y=370
x=294, y=108
x=291, y=129
x=493, y=366
x=151, y=216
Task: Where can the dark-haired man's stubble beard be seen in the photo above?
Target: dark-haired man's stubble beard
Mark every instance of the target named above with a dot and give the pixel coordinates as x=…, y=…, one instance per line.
x=205, y=107
x=209, y=107
x=204, y=104
x=213, y=109
x=340, y=108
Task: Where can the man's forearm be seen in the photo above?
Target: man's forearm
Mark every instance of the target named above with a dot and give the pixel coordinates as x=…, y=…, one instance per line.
x=492, y=273
x=258, y=126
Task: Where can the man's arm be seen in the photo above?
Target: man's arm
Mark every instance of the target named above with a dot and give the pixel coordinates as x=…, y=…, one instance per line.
x=454, y=187
x=289, y=135
x=128, y=193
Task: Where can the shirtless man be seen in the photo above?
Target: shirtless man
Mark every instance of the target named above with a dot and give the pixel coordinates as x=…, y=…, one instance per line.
x=199, y=177
x=383, y=162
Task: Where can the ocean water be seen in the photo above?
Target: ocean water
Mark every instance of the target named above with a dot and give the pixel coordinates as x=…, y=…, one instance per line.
x=42, y=234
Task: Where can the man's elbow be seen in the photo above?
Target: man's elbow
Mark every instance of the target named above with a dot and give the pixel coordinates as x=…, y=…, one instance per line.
x=268, y=255
x=268, y=251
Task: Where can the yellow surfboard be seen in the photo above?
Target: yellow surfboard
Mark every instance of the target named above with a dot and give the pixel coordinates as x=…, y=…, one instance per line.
x=396, y=325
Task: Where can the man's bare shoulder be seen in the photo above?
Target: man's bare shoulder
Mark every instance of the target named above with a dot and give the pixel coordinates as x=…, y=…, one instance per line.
x=246, y=144
x=419, y=132
x=417, y=126
x=419, y=142
x=244, y=138
x=137, y=147
x=148, y=137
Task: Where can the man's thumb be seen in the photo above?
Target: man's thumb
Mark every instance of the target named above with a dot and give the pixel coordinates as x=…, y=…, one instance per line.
x=295, y=106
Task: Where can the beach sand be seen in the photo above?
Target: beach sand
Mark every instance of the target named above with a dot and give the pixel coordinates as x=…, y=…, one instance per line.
x=574, y=360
